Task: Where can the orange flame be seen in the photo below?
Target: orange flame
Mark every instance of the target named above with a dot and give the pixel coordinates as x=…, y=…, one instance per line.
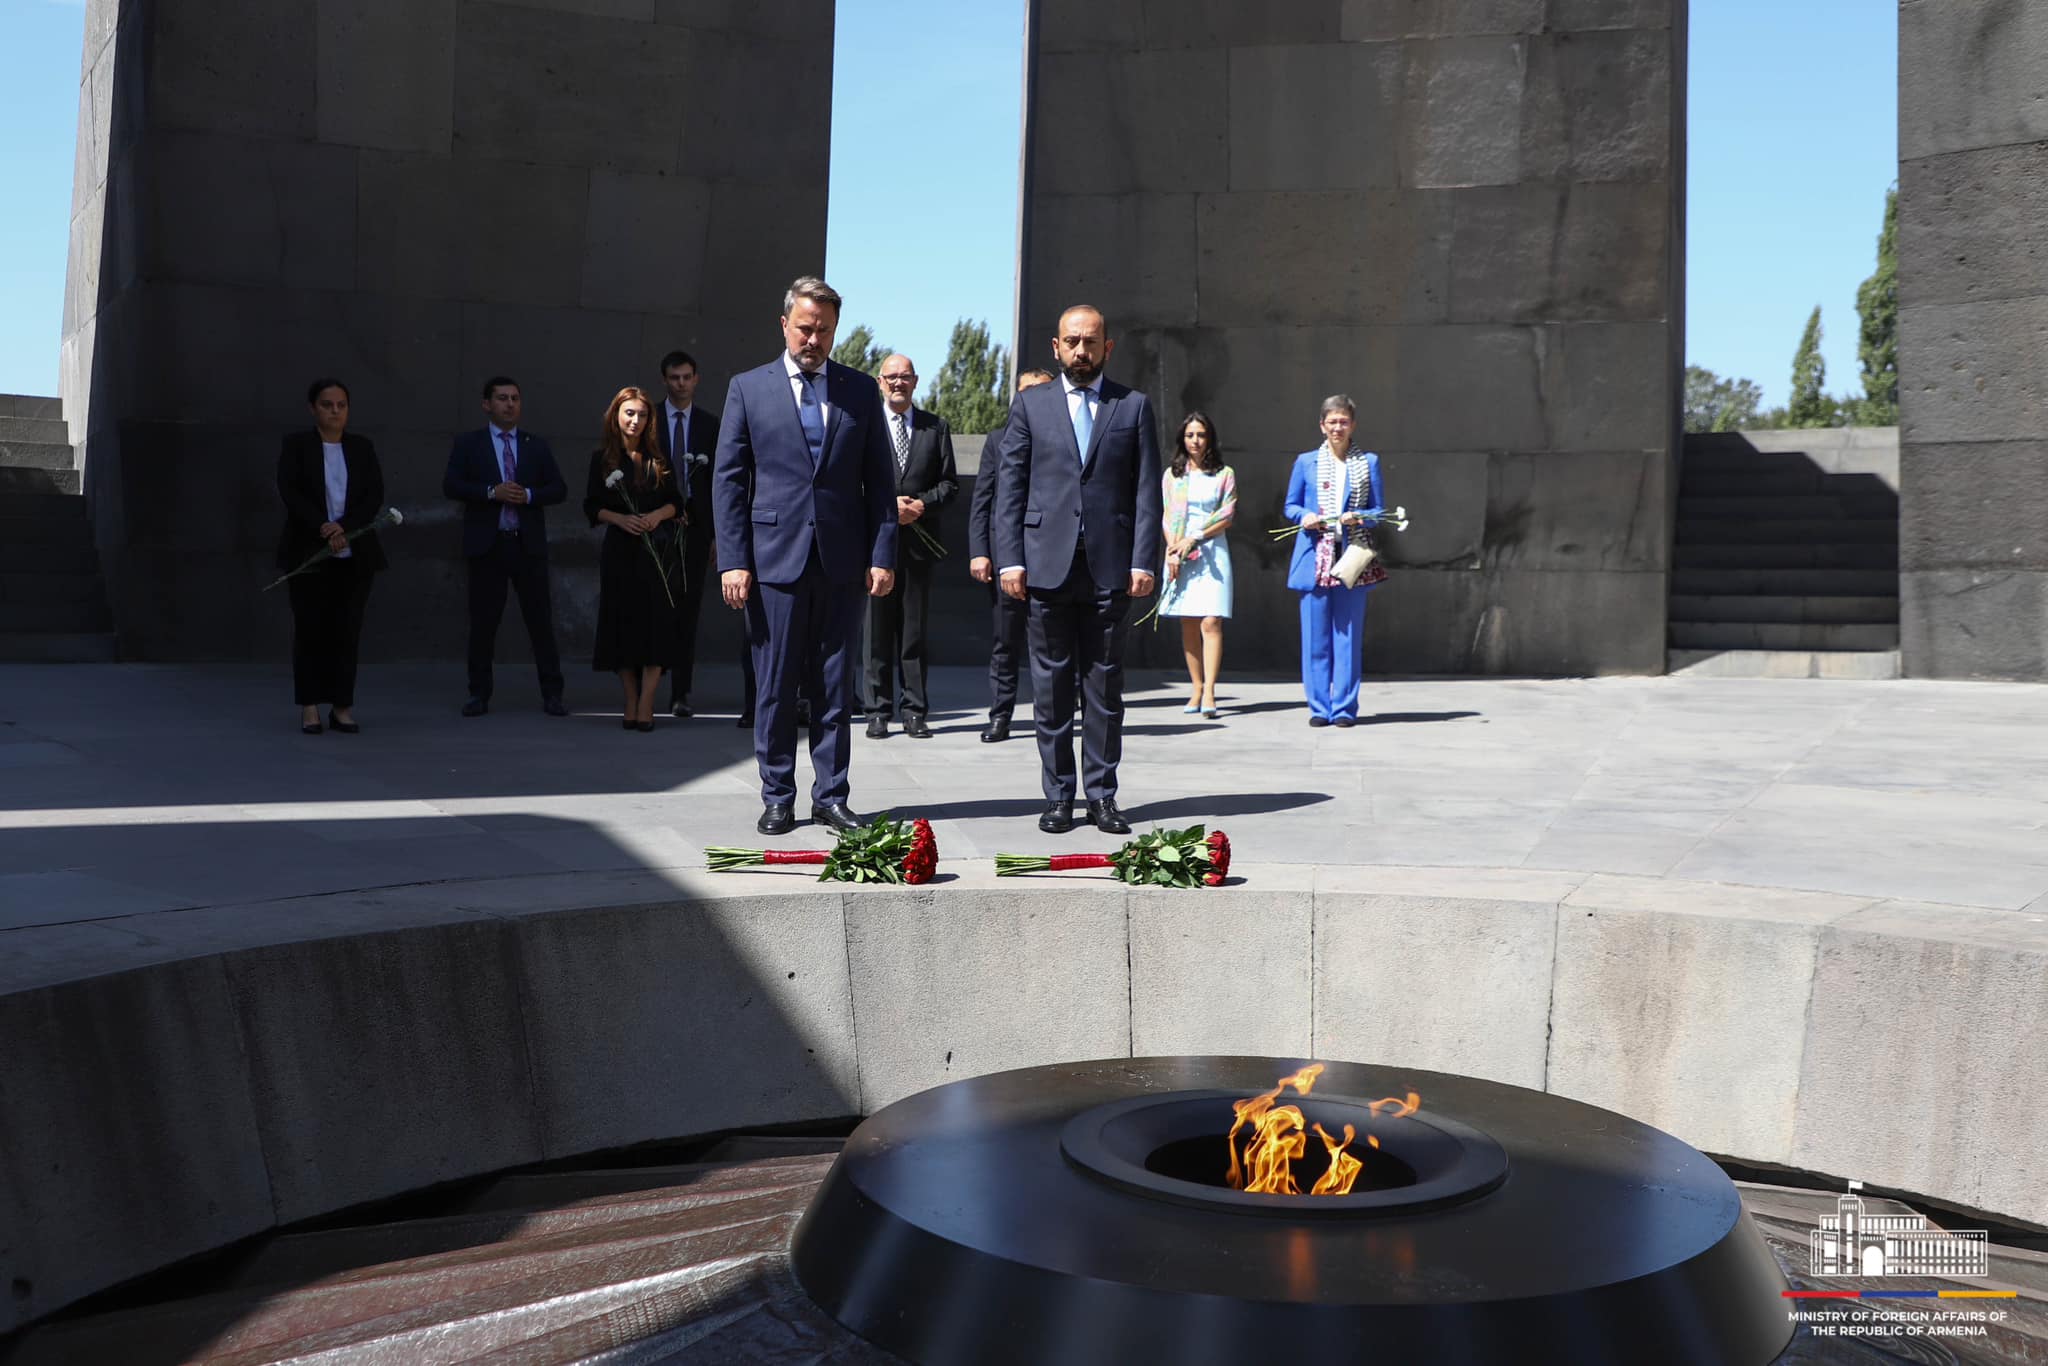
x=1279, y=1139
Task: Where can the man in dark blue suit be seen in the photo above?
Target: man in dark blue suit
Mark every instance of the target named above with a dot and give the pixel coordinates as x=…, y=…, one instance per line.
x=1006, y=646
x=803, y=492
x=1077, y=534
x=505, y=479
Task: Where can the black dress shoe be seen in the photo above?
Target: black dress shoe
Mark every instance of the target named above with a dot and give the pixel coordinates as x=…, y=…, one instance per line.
x=1058, y=818
x=878, y=727
x=777, y=819
x=916, y=729
x=476, y=706
x=1107, y=818
x=996, y=731
x=838, y=815
x=681, y=711
x=554, y=706
x=342, y=727
x=746, y=721
x=1343, y=723
x=1318, y=721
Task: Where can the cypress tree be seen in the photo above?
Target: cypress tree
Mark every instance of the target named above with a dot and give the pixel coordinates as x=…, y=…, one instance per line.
x=1809, y=406
x=1877, y=305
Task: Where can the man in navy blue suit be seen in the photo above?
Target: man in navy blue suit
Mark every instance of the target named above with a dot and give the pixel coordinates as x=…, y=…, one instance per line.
x=1077, y=534
x=803, y=491
x=506, y=478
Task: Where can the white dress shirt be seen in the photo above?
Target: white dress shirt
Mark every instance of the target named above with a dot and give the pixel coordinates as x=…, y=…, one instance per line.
x=336, y=471
x=1094, y=392
x=796, y=387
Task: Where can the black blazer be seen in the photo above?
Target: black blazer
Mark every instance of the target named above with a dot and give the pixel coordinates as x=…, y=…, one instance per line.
x=982, y=508
x=472, y=473
x=302, y=484
x=700, y=437
x=928, y=476
x=1053, y=495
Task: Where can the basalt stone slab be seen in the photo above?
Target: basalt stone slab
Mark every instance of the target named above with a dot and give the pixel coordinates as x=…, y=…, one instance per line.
x=1598, y=14
x=650, y=1021
x=1599, y=106
x=728, y=105
x=1329, y=258
x=1559, y=623
x=469, y=229
x=96, y=1179
x=351, y=1041
x=1465, y=387
x=387, y=75
x=1090, y=25
x=1974, y=623
x=244, y=210
x=1227, y=23
x=1369, y=20
x=1974, y=225
x=568, y=361
x=1453, y=487
x=1154, y=122
x=1979, y=506
x=1607, y=386
x=644, y=241
x=1970, y=75
x=1977, y=372
x=1131, y=255
x=1921, y=1021
x=1464, y=99
x=1225, y=972
x=768, y=18
x=1315, y=117
x=742, y=282
x=401, y=357
x=1577, y=510
x=241, y=66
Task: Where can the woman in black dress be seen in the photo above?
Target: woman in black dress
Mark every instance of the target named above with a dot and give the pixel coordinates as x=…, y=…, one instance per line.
x=332, y=486
x=632, y=491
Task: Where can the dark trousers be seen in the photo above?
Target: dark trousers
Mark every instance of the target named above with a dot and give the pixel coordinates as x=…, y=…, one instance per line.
x=327, y=623
x=1078, y=627
x=896, y=641
x=507, y=565
x=690, y=611
x=806, y=631
x=1007, y=618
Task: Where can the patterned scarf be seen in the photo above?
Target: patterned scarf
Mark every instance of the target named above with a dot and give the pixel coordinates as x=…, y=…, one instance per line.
x=1338, y=486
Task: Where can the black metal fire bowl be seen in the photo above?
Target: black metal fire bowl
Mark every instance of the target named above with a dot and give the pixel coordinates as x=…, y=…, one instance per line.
x=1076, y=1215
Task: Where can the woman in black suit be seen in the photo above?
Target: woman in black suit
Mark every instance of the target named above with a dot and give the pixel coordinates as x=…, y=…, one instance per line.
x=632, y=491
x=331, y=485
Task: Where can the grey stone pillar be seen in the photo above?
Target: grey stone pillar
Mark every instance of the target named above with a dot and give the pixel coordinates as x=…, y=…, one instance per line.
x=1973, y=339
x=1467, y=216
x=411, y=195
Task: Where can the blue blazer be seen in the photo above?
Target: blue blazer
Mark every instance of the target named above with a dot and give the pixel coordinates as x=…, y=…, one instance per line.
x=1048, y=497
x=770, y=504
x=473, y=471
x=1302, y=500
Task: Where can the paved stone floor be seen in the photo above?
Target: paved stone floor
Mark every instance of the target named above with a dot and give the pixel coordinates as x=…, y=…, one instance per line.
x=129, y=789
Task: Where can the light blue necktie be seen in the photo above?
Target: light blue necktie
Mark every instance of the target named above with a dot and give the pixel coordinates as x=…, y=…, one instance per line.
x=1084, y=422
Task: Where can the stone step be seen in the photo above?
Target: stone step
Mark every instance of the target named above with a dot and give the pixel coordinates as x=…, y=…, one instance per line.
x=1691, y=607
x=17, y=530
x=1862, y=583
x=51, y=507
x=1846, y=664
x=1786, y=531
x=31, y=405
x=50, y=647
x=46, y=431
x=54, y=618
x=79, y=586
x=1780, y=635
x=1858, y=507
x=37, y=455
x=1786, y=555
x=15, y=480
x=1707, y=482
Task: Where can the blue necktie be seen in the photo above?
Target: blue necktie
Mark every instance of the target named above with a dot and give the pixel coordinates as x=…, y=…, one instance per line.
x=812, y=415
x=1084, y=423
x=508, y=516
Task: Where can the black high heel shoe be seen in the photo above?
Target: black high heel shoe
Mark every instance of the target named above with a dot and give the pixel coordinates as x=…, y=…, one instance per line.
x=342, y=727
x=630, y=724
x=643, y=726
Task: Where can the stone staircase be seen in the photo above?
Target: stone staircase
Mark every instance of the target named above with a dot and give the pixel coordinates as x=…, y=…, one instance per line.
x=53, y=604
x=1786, y=561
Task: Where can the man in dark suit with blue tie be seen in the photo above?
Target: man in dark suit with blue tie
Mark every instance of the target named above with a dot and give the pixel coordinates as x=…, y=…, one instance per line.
x=689, y=433
x=1077, y=534
x=803, y=491
x=506, y=478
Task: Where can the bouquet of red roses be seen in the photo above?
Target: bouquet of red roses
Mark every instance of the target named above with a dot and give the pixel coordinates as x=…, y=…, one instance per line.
x=883, y=850
x=1158, y=858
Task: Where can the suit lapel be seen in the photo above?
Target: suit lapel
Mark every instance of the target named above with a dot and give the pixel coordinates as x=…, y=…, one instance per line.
x=835, y=399
x=1102, y=412
x=1056, y=400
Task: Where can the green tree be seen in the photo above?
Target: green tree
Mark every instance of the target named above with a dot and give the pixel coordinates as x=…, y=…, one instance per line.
x=1809, y=405
x=1713, y=404
x=859, y=350
x=972, y=389
x=1877, y=305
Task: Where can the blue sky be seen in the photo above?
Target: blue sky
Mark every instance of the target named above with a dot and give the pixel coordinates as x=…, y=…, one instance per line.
x=1793, y=141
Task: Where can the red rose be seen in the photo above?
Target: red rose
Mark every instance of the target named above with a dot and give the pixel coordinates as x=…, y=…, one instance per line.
x=1219, y=858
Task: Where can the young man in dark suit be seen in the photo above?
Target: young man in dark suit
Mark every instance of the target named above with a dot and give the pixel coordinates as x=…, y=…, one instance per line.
x=925, y=482
x=505, y=479
x=1077, y=536
x=803, y=494
x=689, y=435
x=1006, y=648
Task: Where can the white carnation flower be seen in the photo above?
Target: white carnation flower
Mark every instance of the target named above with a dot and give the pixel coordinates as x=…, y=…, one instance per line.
x=614, y=479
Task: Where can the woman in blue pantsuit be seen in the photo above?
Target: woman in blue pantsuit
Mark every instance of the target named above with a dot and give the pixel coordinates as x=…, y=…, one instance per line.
x=1334, y=496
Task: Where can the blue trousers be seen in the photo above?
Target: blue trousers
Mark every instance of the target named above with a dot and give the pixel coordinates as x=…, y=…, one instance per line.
x=808, y=632
x=1332, y=642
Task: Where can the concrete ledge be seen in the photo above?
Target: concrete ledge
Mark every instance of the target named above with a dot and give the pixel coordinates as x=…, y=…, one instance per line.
x=239, y=1067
